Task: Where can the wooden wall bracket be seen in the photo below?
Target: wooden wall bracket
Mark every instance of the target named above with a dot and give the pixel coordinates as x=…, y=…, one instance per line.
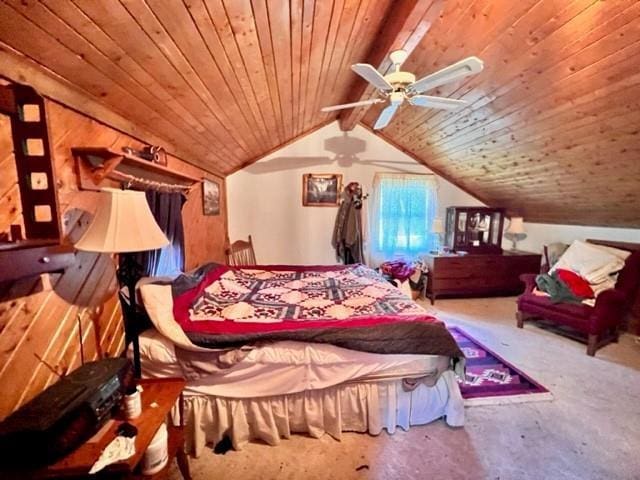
x=31, y=258
x=97, y=164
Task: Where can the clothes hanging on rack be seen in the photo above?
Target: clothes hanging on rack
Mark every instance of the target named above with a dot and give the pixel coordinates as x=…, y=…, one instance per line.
x=347, y=232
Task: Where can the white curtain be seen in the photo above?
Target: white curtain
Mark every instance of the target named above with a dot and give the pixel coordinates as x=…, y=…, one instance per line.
x=403, y=207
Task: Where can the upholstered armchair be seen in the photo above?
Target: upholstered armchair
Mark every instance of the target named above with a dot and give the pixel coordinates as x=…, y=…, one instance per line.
x=601, y=322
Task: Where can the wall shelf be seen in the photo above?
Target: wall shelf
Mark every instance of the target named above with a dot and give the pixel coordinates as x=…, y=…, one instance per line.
x=33, y=257
x=97, y=164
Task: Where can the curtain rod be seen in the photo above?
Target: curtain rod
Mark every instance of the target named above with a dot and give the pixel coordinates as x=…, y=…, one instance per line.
x=131, y=179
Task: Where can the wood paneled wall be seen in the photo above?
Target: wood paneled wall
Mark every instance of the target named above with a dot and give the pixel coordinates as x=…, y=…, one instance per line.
x=57, y=319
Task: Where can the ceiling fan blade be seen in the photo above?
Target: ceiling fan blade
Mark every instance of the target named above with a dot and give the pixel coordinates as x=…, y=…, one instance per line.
x=468, y=66
x=385, y=116
x=436, y=102
x=371, y=75
x=351, y=105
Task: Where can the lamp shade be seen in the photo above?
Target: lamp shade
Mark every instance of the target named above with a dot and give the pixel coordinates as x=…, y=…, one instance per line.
x=516, y=225
x=437, y=226
x=123, y=223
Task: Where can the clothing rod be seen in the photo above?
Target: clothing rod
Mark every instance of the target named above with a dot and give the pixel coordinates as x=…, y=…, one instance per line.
x=131, y=179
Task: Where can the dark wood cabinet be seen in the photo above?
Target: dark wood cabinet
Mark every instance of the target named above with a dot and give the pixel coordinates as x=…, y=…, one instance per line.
x=486, y=274
x=474, y=229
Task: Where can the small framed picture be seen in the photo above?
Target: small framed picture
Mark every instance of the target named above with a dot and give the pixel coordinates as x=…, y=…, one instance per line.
x=210, y=197
x=321, y=190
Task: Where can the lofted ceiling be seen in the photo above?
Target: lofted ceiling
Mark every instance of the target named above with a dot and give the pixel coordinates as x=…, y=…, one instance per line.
x=551, y=130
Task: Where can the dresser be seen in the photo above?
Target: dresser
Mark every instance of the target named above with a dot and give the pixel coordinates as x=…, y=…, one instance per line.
x=478, y=274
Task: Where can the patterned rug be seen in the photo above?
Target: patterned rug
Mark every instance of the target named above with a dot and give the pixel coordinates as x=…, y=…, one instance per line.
x=491, y=380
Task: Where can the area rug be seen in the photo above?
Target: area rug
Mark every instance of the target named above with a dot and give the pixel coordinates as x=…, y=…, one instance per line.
x=491, y=380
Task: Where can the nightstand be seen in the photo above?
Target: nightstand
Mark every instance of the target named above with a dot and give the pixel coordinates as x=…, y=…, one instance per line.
x=163, y=393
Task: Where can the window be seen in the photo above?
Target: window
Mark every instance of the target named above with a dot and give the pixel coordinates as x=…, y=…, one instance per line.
x=403, y=209
x=167, y=210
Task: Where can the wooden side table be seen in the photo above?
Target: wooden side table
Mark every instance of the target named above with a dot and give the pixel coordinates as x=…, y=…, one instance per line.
x=158, y=397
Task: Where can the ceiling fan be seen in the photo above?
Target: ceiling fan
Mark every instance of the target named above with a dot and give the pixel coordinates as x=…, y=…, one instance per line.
x=398, y=86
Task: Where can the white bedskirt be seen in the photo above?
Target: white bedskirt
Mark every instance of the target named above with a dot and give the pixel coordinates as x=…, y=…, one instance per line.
x=351, y=407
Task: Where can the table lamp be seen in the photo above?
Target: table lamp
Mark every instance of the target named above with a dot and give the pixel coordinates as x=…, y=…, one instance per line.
x=437, y=227
x=515, y=232
x=124, y=224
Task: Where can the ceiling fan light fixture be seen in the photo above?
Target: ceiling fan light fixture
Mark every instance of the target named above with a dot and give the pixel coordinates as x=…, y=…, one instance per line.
x=398, y=57
x=399, y=85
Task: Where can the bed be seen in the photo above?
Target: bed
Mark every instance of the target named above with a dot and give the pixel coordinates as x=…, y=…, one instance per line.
x=273, y=350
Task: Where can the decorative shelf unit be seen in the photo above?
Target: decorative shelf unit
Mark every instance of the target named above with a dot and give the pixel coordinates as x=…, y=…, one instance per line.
x=474, y=229
x=34, y=246
x=98, y=164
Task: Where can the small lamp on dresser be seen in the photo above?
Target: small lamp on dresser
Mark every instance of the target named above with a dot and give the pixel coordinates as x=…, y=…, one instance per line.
x=124, y=224
x=515, y=232
x=437, y=227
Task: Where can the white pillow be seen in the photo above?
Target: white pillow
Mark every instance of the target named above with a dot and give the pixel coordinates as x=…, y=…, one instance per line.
x=592, y=262
x=158, y=303
x=156, y=347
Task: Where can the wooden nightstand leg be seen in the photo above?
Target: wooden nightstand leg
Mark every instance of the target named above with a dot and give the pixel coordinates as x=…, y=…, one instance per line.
x=183, y=463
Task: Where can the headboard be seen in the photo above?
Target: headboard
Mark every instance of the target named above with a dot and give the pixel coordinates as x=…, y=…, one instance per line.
x=631, y=247
x=632, y=324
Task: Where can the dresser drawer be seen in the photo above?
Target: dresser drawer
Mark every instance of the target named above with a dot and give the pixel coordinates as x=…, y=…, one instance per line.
x=466, y=267
x=479, y=274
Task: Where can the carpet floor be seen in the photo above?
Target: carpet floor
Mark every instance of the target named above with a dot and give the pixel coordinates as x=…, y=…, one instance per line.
x=591, y=430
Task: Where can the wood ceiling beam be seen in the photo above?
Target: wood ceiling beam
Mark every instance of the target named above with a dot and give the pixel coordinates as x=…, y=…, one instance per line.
x=408, y=23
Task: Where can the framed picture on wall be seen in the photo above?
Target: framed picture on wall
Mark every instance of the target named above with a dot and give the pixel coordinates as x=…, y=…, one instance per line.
x=321, y=190
x=210, y=197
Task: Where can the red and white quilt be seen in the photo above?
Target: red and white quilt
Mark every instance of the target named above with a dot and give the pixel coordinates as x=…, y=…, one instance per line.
x=256, y=295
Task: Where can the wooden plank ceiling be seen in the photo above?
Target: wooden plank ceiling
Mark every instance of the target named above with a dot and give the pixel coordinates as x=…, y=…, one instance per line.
x=551, y=131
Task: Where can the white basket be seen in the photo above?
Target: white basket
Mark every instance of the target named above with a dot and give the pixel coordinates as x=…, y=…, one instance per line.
x=157, y=454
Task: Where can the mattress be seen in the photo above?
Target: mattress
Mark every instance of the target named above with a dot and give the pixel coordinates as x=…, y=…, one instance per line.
x=288, y=367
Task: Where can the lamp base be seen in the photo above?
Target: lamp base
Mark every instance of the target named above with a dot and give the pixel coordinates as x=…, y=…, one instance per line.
x=515, y=238
x=128, y=273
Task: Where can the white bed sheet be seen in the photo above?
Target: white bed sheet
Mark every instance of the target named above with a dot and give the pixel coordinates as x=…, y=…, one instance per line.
x=288, y=367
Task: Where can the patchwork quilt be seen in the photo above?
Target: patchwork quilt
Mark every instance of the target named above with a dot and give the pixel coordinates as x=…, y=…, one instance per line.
x=348, y=306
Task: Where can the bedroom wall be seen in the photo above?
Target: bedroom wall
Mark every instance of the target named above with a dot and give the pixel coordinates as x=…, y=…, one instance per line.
x=48, y=318
x=265, y=199
x=540, y=234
